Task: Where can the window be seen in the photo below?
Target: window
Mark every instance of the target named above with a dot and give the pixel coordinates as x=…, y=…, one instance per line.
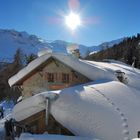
x=65, y=78
x=50, y=77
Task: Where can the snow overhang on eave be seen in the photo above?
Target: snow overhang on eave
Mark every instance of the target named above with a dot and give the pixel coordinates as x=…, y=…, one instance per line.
x=31, y=67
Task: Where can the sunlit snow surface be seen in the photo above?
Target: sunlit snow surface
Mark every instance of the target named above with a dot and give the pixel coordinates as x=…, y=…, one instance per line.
x=103, y=110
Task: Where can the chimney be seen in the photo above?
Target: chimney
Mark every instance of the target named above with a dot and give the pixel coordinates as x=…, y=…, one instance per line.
x=76, y=53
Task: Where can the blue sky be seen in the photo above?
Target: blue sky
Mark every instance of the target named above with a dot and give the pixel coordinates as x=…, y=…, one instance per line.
x=103, y=20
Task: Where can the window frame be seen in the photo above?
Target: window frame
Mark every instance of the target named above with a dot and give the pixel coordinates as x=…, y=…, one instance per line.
x=50, y=77
x=65, y=77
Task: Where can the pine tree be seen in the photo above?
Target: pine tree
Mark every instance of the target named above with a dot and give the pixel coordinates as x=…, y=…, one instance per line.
x=12, y=68
x=30, y=58
x=124, y=51
x=19, y=59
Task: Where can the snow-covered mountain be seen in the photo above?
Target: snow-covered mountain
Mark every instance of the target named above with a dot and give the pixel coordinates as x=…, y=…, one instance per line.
x=105, y=45
x=111, y=43
x=11, y=40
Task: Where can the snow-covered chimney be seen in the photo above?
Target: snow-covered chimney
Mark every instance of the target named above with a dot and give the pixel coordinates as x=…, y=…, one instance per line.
x=76, y=53
x=44, y=51
x=74, y=50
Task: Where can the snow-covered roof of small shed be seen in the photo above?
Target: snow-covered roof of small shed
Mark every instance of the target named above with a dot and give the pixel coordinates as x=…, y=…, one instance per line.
x=91, y=69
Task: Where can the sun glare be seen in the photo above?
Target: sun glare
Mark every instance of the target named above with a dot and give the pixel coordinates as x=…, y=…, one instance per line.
x=73, y=21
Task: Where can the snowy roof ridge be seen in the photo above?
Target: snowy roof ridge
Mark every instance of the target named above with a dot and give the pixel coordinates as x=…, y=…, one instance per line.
x=74, y=63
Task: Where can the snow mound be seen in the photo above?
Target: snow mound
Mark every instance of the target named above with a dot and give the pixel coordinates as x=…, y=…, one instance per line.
x=26, y=136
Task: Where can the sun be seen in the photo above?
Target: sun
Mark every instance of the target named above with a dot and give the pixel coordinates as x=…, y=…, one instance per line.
x=73, y=21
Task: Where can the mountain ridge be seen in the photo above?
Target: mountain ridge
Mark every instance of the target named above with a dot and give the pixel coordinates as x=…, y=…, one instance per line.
x=11, y=40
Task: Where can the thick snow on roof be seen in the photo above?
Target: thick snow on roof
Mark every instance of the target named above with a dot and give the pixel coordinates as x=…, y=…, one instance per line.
x=28, y=107
x=26, y=136
x=90, y=71
x=107, y=110
x=31, y=66
x=103, y=109
x=132, y=74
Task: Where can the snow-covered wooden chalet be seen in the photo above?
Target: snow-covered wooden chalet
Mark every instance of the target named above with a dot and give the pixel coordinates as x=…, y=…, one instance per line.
x=85, y=82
